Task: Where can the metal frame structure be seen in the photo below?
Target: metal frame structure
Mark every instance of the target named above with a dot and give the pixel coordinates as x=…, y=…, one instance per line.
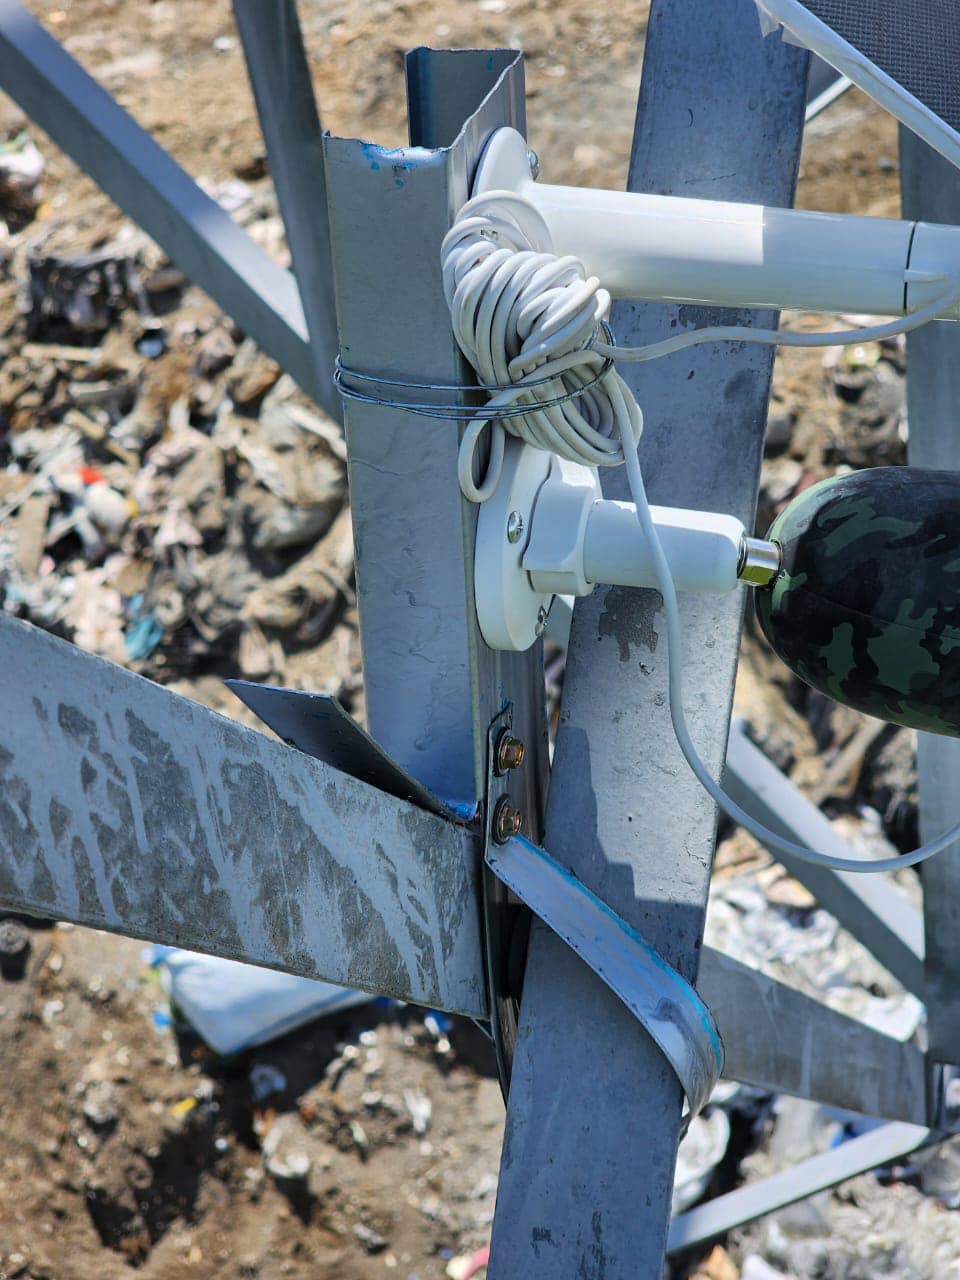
x=359, y=858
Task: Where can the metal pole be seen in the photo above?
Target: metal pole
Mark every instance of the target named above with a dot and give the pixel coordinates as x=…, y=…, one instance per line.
x=594, y=1110
x=930, y=189
x=432, y=687
x=280, y=78
x=874, y=908
x=154, y=191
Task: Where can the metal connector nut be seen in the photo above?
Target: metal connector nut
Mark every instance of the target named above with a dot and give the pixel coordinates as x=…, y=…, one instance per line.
x=507, y=821
x=510, y=752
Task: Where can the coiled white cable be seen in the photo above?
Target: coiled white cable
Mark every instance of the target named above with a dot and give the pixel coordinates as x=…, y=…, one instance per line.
x=520, y=313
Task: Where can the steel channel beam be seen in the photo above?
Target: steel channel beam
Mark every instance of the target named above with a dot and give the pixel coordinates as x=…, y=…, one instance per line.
x=777, y=1038
x=884, y=1145
x=200, y=236
x=283, y=91
x=128, y=808
x=594, y=1109
x=432, y=687
x=930, y=189
x=871, y=907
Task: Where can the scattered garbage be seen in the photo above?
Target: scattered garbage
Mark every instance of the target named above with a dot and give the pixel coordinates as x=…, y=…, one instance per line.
x=234, y=1006
x=21, y=172
x=701, y=1150
x=469, y=1264
x=168, y=499
x=14, y=949
x=420, y=1108
x=265, y=1080
x=284, y=1155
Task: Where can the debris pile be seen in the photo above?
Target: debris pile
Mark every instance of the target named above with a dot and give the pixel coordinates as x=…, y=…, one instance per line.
x=168, y=499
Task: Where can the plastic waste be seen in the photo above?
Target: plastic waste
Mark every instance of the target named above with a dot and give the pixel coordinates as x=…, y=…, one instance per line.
x=234, y=1006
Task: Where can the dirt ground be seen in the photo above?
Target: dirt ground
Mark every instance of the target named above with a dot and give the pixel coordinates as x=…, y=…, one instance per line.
x=125, y=1146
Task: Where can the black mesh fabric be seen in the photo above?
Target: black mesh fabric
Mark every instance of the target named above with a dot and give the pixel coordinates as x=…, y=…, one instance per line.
x=916, y=42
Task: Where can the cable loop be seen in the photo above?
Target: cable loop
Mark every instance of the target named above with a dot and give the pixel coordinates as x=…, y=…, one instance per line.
x=529, y=322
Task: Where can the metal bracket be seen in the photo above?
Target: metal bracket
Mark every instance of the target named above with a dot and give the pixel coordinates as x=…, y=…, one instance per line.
x=662, y=1001
x=506, y=921
x=317, y=724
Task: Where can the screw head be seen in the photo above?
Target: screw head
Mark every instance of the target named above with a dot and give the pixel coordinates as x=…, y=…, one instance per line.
x=541, y=620
x=507, y=821
x=514, y=527
x=534, y=162
x=510, y=752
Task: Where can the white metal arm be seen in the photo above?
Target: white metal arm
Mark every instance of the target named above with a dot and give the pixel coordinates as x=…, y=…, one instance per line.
x=717, y=253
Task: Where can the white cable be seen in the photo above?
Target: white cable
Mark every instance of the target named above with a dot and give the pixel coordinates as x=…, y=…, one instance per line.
x=520, y=312
x=783, y=337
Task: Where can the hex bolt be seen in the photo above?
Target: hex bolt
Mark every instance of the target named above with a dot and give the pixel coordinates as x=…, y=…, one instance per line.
x=510, y=752
x=541, y=620
x=533, y=160
x=507, y=821
x=514, y=527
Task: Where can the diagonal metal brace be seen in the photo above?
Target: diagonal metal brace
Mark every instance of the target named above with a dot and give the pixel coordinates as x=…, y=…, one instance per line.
x=664, y=1003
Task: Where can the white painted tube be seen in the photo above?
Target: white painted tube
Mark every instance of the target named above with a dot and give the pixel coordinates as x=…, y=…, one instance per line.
x=702, y=549
x=711, y=252
x=721, y=254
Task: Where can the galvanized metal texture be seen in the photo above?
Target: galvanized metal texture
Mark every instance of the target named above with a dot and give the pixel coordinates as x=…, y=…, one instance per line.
x=147, y=184
x=663, y=1002
x=432, y=687
x=886, y=1144
x=283, y=91
x=872, y=908
x=317, y=724
x=776, y=1038
x=126, y=807
x=930, y=189
x=720, y=116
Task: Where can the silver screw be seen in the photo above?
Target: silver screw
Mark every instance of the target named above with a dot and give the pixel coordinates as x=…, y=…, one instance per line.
x=514, y=526
x=541, y=620
x=534, y=161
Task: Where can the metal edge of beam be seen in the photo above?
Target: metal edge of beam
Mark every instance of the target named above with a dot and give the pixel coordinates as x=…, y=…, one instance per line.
x=779, y=1039
x=432, y=687
x=151, y=188
x=317, y=724
x=594, y=1110
x=871, y=907
x=283, y=91
x=128, y=808
x=881, y=1146
x=930, y=189
x=666, y=1006
x=824, y=86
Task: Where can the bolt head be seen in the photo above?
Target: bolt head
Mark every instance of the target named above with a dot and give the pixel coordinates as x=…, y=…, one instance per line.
x=534, y=161
x=510, y=752
x=541, y=621
x=507, y=821
x=514, y=527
